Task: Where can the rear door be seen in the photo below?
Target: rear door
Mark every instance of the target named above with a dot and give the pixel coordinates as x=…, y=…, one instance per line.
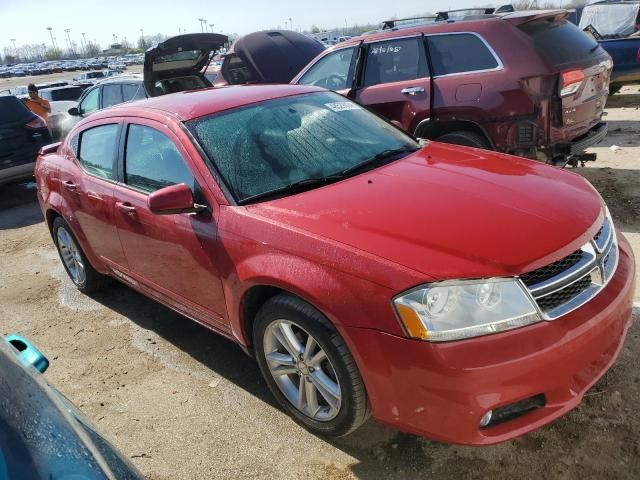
x=396, y=82
x=173, y=255
x=87, y=185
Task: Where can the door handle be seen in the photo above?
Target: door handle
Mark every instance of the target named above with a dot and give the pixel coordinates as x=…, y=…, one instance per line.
x=412, y=90
x=70, y=186
x=127, y=208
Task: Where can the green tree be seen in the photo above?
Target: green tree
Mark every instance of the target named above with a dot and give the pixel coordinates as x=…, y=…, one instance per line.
x=315, y=29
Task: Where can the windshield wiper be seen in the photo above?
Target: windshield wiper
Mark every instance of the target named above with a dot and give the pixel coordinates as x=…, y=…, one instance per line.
x=376, y=160
x=309, y=183
x=294, y=187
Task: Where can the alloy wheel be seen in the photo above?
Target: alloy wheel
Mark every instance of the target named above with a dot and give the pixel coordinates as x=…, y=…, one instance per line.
x=71, y=256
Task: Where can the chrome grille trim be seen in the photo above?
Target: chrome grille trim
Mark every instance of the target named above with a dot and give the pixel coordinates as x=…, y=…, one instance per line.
x=599, y=262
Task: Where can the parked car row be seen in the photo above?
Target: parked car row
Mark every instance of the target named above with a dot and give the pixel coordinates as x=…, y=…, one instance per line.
x=59, y=66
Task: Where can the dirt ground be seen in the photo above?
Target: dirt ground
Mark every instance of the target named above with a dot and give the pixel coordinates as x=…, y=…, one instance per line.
x=184, y=403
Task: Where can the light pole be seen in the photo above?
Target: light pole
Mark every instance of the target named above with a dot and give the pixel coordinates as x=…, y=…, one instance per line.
x=290, y=23
x=15, y=48
x=73, y=52
x=202, y=22
x=84, y=41
x=211, y=26
x=115, y=38
x=53, y=41
x=144, y=44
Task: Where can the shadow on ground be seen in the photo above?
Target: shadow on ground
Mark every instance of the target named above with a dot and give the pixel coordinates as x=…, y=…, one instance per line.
x=19, y=206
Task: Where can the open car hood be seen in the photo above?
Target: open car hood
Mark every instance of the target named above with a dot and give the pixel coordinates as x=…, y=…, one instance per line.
x=177, y=64
x=270, y=56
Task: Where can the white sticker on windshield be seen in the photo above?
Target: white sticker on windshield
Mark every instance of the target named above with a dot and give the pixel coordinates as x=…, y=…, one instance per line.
x=342, y=106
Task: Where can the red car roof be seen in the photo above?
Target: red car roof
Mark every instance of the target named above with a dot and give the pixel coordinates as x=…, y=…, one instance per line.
x=196, y=103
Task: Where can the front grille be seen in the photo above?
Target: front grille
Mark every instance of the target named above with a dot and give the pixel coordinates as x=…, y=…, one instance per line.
x=551, y=270
x=554, y=300
x=564, y=285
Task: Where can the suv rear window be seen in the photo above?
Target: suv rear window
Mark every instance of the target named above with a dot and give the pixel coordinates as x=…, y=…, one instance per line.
x=458, y=53
x=12, y=110
x=71, y=93
x=560, y=41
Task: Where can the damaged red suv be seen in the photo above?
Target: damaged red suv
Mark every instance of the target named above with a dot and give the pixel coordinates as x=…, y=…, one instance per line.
x=450, y=292
x=524, y=83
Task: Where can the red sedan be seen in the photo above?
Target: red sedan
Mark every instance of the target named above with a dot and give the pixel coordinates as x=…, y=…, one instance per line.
x=455, y=293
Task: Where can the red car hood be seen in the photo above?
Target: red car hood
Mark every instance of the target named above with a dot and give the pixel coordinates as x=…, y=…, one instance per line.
x=451, y=212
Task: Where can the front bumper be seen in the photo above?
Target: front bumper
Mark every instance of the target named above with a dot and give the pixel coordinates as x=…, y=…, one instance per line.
x=441, y=391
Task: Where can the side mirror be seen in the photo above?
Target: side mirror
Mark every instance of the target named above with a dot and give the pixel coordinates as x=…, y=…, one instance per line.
x=74, y=111
x=27, y=354
x=173, y=200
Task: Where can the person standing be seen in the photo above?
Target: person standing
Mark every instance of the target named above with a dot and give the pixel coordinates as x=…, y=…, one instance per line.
x=36, y=104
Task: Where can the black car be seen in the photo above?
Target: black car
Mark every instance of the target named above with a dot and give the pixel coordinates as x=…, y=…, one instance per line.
x=42, y=435
x=22, y=134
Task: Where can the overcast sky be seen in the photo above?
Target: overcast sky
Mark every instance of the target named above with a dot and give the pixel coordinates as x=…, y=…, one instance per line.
x=26, y=20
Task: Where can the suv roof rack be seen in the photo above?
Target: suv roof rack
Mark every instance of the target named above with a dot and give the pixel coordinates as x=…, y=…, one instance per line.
x=490, y=12
x=391, y=24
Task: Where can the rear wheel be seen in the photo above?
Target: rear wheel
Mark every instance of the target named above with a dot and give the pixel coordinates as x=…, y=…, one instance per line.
x=75, y=262
x=308, y=367
x=465, y=138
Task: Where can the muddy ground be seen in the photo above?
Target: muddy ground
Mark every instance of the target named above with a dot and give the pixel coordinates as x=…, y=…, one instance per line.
x=183, y=403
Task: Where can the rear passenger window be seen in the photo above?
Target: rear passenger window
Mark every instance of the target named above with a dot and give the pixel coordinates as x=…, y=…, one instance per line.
x=394, y=61
x=97, y=150
x=111, y=95
x=458, y=53
x=153, y=161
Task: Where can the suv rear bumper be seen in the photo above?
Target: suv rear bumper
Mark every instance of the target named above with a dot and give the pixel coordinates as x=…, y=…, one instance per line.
x=17, y=173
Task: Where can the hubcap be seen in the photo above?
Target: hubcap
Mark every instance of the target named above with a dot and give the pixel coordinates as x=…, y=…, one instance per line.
x=302, y=370
x=71, y=256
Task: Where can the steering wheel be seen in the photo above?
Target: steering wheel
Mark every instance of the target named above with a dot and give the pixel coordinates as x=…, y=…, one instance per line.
x=334, y=82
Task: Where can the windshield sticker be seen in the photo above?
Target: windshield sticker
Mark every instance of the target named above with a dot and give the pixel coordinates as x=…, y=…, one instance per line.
x=383, y=50
x=342, y=106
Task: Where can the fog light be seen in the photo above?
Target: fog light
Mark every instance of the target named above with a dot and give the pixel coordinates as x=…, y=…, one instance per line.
x=486, y=418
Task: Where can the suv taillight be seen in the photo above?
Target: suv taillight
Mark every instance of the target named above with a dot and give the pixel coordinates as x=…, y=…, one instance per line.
x=570, y=82
x=36, y=123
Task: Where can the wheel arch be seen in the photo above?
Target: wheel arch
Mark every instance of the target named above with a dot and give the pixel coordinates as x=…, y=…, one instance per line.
x=431, y=130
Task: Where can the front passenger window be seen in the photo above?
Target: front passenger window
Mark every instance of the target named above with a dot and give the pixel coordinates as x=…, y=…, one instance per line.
x=333, y=71
x=153, y=161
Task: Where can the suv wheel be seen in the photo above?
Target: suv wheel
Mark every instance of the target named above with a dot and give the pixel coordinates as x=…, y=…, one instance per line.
x=308, y=367
x=75, y=262
x=465, y=138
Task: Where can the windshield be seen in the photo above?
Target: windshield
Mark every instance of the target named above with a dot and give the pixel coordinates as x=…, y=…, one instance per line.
x=273, y=144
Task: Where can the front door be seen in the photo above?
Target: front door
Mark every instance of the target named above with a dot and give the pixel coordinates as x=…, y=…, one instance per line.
x=396, y=81
x=174, y=255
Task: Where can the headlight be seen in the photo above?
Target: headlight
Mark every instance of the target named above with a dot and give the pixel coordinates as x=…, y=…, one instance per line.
x=458, y=309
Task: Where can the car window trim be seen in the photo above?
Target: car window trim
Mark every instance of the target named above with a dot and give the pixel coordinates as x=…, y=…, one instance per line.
x=482, y=39
x=419, y=39
x=113, y=161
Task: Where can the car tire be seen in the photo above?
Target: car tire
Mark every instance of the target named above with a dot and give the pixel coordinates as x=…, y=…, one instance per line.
x=465, y=138
x=75, y=262
x=613, y=89
x=330, y=415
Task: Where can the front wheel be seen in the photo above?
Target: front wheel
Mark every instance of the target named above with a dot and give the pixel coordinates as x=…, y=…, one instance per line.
x=308, y=367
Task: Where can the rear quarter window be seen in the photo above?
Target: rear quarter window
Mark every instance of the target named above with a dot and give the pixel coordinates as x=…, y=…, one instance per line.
x=460, y=53
x=560, y=41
